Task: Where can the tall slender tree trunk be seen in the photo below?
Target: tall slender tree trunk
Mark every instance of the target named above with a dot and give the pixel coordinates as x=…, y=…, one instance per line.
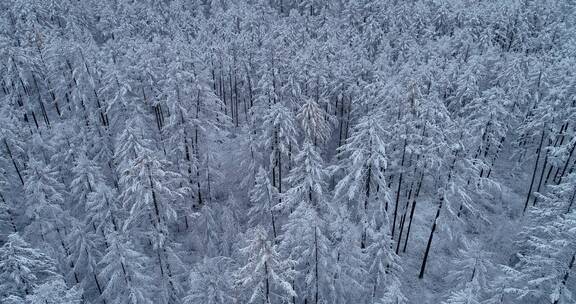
x=435, y=223
x=495, y=157
x=98, y=287
x=208, y=179
x=197, y=151
x=341, y=123
x=565, y=277
x=13, y=161
x=404, y=214
x=316, y=265
x=535, y=169
x=558, y=142
x=40, y=102
x=366, y=199
x=414, y=200
x=558, y=177
x=541, y=178
x=399, y=188
x=10, y=216
x=103, y=114
x=429, y=244
x=267, y=284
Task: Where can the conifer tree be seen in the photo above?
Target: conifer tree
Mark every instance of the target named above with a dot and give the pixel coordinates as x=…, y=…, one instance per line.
x=126, y=273
x=304, y=241
x=549, y=260
x=45, y=199
x=264, y=276
x=314, y=122
x=263, y=198
x=211, y=282
x=23, y=268
x=86, y=177
x=383, y=263
x=279, y=137
x=55, y=292
x=364, y=162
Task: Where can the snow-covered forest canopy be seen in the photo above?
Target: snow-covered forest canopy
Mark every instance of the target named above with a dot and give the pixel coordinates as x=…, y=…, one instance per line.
x=287, y=151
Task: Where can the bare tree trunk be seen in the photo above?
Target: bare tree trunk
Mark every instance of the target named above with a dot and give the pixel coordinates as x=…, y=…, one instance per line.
x=566, y=276
x=414, y=200
x=541, y=178
x=399, y=188
x=13, y=161
x=267, y=284
x=316, y=264
x=429, y=244
x=435, y=223
x=367, y=197
x=558, y=142
x=535, y=169
x=197, y=151
x=10, y=216
x=40, y=102
x=558, y=178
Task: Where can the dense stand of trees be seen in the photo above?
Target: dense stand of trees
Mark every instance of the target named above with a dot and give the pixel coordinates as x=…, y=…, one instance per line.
x=287, y=151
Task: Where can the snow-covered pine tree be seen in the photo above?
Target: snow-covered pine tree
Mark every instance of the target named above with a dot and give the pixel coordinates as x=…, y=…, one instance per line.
x=462, y=200
x=126, y=273
x=548, y=256
x=363, y=162
x=45, y=199
x=263, y=198
x=13, y=139
x=393, y=294
x=472, y=272
x=197, y=116
x=279, y=137
x=132, y=142
x=307, y=180
x=383, y=263
x=151, y=192
x=84, y=247
x=86, y=176
x=304, y=241
x=349, y=276
x=103, y=211
x=211, y=282
x=207, y=234
x=23, y=268
x=232, y=221
x=7, y=210
x=7, y=220
x=264, y=276
x=55, y=292
x=314, y=122
x=464, y=296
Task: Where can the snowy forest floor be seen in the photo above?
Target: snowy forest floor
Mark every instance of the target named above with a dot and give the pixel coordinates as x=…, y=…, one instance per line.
x=500, y=239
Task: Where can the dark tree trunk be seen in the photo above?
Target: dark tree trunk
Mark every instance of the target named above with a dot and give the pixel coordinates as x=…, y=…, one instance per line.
x=566, y=276
x=13, y=161
x=559, y=177
x=267, y=284
x=535, y=170
x=414, y=200
x=41, y=103
x=429, y=244
x=541, y=178
x=399, y=188
x=10, y=216
x=435, y=223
